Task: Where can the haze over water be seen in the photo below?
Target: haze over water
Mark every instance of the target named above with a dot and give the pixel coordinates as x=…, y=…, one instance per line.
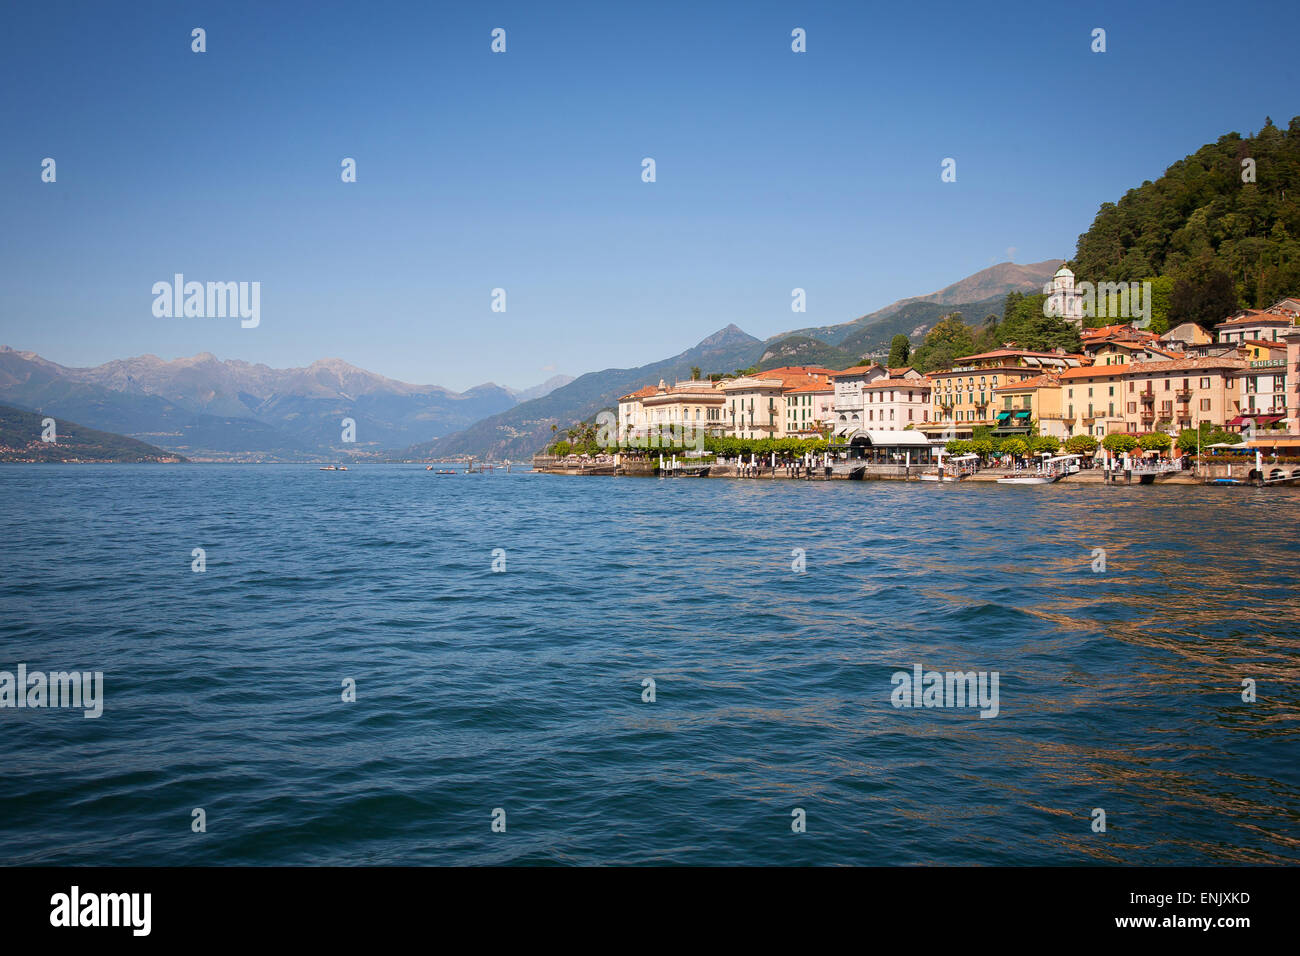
x=522, y=690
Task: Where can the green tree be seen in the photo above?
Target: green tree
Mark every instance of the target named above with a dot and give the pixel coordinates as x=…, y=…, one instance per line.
x=1081, y=445
x=949, y=340
x=695, y=373
x=900, y=350
x=1204, y=297
x=1155, y=441
x=1118, y=444
x=1015, y=446
x=1040, y=443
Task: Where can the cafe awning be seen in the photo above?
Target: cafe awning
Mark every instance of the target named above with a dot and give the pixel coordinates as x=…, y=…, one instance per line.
x=1257, y=419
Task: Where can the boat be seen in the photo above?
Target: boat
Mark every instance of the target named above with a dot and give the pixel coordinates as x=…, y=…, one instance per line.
x=428, y=467
x=446, y=471
x=328, y=468
x=1051, y=470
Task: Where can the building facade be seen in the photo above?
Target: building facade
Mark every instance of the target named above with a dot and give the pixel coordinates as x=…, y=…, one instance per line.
x=881, y=399
x=962, y=397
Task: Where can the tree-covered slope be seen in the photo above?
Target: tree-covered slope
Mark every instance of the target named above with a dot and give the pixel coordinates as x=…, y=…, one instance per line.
x=1232, y=208
x=21, y=440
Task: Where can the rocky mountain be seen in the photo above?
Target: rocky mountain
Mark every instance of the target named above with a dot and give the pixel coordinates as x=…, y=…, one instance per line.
x=204, y=407
x=914, y=315
x=526, y=428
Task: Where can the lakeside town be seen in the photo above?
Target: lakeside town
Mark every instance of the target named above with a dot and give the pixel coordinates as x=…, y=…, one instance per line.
x=1189, y=405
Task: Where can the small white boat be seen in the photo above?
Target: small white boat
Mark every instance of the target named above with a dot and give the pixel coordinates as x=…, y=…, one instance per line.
x=1052, y=469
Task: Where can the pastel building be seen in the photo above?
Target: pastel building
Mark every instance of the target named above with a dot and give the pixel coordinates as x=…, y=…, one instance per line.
x=963, y=397
x=659, y=414
x=1152, y=396
x=876, y=398
x=756, y=407
x=1019, y=405
x=1252, y=324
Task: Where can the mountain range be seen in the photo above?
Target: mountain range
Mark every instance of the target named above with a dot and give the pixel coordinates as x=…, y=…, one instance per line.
x=203, y=407
x=22, y=439
x=520, y=431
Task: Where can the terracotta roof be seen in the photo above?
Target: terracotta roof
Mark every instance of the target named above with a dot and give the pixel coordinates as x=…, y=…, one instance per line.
x=898, y=383
x=854, y=371
x=640, y=393
x=1038, y=381
x=1090, y=371
x=786, y=370
x=1185, y=364
x=1254, y=317
x=1265, y=343
x=1007, y=353
x=1116, y=331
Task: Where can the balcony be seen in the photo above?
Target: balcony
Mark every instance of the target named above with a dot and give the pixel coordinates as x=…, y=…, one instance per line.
x=1184, y=395
x=1147, y=398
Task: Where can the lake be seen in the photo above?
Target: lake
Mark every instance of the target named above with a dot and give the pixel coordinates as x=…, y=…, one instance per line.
x=772, y=618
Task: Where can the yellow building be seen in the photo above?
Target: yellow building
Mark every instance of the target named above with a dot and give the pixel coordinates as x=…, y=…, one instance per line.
x=1019, y=404
x=962, y=397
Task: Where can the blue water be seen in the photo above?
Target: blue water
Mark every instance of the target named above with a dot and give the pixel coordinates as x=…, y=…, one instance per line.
x=522, y=690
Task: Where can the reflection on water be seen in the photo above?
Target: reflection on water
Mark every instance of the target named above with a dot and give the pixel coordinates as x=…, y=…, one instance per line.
x=522, y=690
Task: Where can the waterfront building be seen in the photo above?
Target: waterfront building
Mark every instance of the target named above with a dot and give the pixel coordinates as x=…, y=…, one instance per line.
x=1292, y=340
x=1264, y=383
x=1020, y=404
x=1183, y=393
x=887, y=447
x=631, y=414
x=1093, y=400
x=809, y=409
x=755, y=405
x=656, y=414
x=962, y=397
x=877, y=398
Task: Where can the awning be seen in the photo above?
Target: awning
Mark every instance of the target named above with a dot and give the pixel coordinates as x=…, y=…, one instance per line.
x=1257, y=419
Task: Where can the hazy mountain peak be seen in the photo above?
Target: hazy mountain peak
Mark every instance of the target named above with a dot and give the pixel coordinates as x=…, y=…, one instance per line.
x=729, y=335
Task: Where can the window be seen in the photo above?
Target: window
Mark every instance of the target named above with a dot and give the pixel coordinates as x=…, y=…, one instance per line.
x=1132, y=407
x=1205, y=404
x=1205, y=383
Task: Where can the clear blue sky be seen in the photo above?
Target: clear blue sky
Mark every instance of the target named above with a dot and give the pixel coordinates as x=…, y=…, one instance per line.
x=523, y=170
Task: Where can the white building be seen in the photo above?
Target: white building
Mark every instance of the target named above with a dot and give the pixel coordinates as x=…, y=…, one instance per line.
x=881, y=399
x=1063, y=300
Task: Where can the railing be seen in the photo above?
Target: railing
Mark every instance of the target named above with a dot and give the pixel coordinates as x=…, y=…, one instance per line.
x=1183, y=395
x=1147, y=398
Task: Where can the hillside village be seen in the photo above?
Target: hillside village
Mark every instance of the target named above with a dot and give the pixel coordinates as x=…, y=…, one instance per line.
x=1237, y=382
